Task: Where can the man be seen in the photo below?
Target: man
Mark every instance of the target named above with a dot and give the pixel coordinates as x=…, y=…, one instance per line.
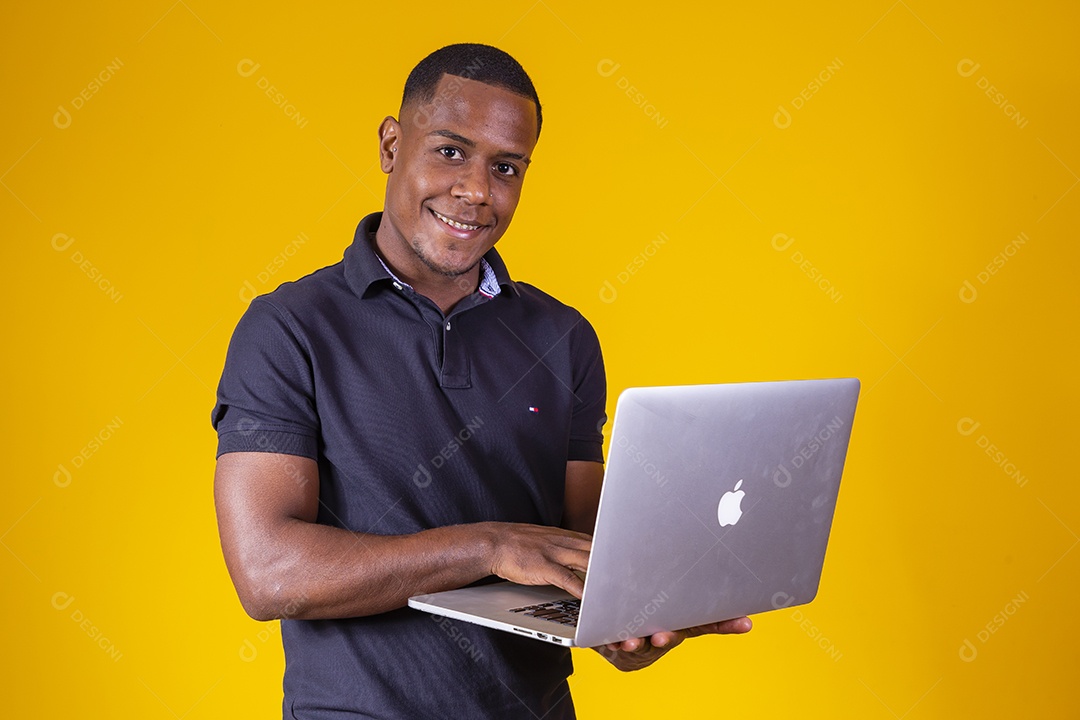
x=412, y=420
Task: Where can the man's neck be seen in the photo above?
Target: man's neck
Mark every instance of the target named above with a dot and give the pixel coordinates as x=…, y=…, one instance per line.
x=443, y=290
x=448, y=295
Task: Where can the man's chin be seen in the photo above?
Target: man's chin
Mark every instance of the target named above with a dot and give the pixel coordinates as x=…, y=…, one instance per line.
x=451, y=264
x=450, y=270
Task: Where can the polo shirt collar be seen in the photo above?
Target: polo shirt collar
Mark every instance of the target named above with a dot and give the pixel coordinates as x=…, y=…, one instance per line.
x=364, y=268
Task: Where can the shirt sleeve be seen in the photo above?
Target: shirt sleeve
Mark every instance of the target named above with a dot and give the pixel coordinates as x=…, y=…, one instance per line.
x=590, y=393
x=266, y=397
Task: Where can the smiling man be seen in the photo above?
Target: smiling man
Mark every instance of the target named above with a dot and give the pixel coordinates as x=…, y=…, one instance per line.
x=411, y=420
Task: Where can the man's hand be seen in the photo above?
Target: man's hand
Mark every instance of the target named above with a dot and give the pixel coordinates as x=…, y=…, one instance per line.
x=539, y=555
x=638, y=653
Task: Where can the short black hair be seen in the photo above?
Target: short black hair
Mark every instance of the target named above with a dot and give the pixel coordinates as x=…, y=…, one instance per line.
x=473, y=61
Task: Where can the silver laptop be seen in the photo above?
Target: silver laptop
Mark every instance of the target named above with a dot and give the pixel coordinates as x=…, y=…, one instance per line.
x=717, y=502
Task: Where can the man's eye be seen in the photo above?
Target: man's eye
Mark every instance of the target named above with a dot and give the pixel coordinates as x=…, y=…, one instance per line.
x=450, y=153
x=504, y=168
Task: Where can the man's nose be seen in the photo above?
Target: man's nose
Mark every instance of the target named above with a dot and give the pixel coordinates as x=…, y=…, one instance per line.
x=473, y=185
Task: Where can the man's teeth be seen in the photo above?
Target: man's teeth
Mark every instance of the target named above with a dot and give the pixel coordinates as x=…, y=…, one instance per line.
x=453, y=224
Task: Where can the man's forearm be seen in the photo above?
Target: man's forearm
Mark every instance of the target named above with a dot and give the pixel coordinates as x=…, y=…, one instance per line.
x=285, y=565
x=313, y=571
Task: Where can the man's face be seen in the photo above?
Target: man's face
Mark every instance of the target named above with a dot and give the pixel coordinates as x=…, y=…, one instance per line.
x=455, y=167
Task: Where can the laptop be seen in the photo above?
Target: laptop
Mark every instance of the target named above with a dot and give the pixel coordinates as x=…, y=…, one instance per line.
x=717, y=502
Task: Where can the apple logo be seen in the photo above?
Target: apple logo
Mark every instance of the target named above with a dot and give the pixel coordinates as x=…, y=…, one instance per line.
x=729, y=511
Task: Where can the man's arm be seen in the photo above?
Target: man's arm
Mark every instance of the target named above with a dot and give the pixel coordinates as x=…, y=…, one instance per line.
x=284, y=564
x=582, y=495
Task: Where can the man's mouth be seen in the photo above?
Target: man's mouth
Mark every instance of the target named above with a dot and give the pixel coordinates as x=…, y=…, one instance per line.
x=454, y=223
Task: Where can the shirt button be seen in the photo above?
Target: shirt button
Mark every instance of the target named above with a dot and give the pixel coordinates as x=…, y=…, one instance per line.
x=397, y=285
x=448, y=325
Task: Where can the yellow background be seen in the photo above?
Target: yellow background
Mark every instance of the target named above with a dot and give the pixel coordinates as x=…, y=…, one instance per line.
x=898, y=181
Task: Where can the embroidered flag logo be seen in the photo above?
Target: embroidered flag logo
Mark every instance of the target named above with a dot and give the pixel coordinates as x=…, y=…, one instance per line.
x=534, y=409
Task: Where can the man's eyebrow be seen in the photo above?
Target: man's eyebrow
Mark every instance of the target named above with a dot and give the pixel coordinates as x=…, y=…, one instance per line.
x=451, y=135
x=516, y=156
x=454, y=136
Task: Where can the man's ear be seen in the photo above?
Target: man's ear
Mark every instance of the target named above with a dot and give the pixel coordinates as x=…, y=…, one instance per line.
x=389, y=135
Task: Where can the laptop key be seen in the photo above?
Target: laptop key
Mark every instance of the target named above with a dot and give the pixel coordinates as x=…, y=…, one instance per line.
x=564, y=612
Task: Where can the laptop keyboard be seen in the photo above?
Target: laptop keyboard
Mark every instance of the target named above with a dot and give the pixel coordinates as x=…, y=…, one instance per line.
x=564, y=612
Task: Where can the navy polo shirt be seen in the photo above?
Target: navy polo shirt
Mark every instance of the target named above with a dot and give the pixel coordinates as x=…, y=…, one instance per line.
x=417, y=420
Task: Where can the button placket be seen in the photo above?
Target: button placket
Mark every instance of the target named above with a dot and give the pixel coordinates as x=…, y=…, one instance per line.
x=456, y=371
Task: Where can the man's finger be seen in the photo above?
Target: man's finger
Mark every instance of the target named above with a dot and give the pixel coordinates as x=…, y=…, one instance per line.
x=577, y=536
x=667, y=640
x=735, y=626
x=568, y=580
x=573, y=560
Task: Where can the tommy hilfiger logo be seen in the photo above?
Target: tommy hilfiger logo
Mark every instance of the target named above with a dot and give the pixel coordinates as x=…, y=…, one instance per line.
x=534, y=409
